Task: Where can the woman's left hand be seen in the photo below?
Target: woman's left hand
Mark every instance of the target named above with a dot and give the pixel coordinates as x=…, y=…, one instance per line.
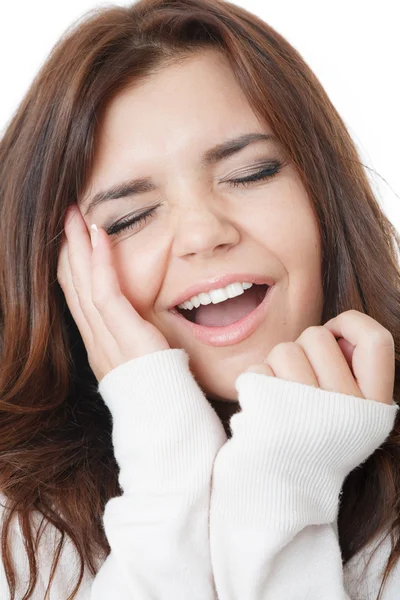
x=350, y=354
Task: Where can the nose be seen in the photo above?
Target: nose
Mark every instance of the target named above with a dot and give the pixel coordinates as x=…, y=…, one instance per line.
x=202, y=230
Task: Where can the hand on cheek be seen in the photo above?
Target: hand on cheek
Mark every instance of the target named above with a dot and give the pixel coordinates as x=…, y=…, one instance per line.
x=112, y=330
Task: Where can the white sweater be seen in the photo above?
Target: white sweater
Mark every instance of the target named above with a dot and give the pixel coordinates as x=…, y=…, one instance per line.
x=203, y=517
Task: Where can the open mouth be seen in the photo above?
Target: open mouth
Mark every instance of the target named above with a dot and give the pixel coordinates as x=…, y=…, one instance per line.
x=227, y=312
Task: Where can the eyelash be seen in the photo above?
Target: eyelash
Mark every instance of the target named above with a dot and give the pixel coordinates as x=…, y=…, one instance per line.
x=131, y=223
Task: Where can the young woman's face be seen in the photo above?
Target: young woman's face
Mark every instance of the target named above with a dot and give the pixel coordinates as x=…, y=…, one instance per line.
x=204, y=226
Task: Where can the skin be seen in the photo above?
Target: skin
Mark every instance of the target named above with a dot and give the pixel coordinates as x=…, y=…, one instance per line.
x=206, y=227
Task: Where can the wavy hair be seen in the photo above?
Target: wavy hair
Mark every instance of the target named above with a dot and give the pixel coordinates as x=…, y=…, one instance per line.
x=56, y=453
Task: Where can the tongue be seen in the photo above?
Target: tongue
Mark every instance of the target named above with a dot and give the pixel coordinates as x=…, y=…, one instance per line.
x=231, y=310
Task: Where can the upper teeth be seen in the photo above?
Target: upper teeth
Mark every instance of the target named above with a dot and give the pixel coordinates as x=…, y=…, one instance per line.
x=215, y=296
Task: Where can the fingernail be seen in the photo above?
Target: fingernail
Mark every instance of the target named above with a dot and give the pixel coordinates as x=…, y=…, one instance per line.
x=94, y=234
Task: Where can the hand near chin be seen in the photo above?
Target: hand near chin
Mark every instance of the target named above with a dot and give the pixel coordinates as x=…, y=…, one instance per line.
x=112, y=330
x=350, y=354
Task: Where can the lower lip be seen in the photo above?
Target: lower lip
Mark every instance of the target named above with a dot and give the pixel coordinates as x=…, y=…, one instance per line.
x=233, y=333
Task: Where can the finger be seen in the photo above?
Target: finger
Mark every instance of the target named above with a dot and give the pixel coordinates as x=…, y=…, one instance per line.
x=262, y=369
x=64, y=278
x=327, y=361
x=118, y=314
x=347, y=350
x=80, y=256
x=289, y=362
x=373, y=359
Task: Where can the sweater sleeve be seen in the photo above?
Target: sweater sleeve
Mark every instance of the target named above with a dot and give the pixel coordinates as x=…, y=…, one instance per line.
x=165, y=437
x=276, y=488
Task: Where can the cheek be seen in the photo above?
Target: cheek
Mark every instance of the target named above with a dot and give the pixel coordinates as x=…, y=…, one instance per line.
x=286, y=226
x=283, y=230
x=304, y=266
x=140, y=272
x=289, y=234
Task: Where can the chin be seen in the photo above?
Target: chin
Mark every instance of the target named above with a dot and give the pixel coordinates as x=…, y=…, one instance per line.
x=229, y=396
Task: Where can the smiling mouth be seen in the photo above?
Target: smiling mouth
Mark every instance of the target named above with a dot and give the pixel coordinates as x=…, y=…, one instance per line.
x=227, y=312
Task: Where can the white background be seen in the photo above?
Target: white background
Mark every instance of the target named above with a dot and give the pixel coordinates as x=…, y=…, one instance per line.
x=353, y=46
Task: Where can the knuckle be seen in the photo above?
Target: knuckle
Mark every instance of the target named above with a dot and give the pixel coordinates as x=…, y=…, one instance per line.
x=352, y=315
x=315, y=333
x=383, y=338
x=284, y=350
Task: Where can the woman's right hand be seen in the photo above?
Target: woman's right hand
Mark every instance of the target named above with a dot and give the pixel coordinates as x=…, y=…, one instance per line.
x=112, y=330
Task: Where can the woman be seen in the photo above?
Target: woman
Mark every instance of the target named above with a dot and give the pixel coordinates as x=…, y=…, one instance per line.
x=152, y=448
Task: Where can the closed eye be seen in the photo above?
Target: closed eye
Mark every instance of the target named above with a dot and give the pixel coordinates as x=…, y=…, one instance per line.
x=130, y=223
x=134, y=222
x=267, y=173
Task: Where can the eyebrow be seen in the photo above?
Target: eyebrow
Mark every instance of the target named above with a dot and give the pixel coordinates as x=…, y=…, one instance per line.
x=212, y=156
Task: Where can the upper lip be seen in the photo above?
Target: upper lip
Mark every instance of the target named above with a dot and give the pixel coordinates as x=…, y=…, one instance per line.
x=216, y=282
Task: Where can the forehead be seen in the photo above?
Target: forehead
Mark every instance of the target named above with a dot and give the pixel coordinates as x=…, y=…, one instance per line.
x=175, y=107
x=170, y=121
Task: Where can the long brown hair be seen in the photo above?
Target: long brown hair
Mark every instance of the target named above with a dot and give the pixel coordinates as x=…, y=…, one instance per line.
x=56, y=454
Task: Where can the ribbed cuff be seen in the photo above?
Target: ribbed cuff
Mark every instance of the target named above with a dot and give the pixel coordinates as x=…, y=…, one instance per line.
x=165, y=433
x=292, y=446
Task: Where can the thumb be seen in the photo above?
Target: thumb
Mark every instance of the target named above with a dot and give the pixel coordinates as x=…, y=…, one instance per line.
x=262, y=369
